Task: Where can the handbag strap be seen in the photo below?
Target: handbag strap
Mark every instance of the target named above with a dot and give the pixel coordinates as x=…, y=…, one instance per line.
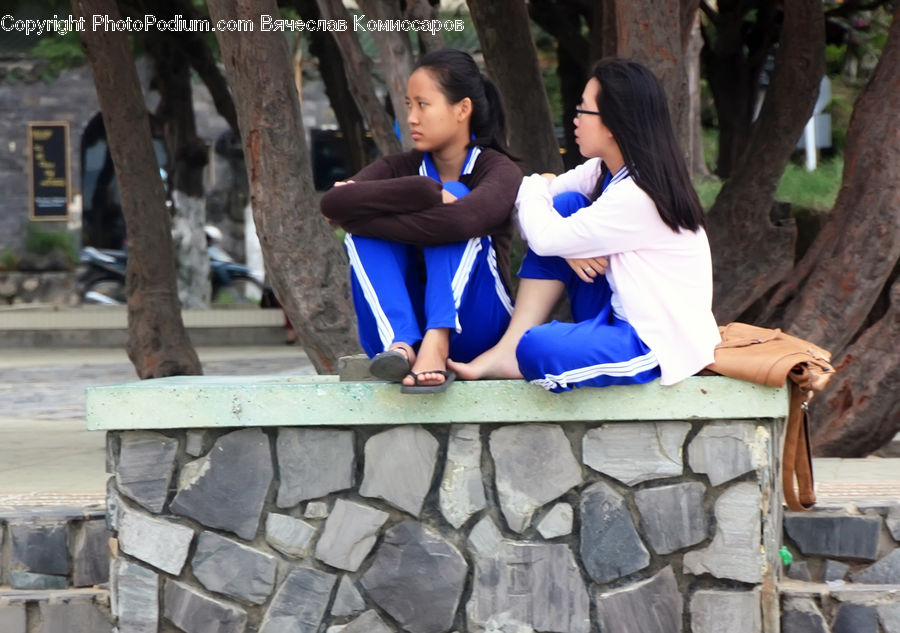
x=797, y=457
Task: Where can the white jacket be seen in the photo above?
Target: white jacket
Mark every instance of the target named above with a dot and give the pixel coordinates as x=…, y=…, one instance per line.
x=661, y=280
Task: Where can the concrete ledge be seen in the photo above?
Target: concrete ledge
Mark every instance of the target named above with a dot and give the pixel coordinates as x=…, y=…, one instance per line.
x=215, y=401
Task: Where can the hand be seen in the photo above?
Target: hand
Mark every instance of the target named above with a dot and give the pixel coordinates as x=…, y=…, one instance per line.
x=588, y=269
x=447, y=197
x=548, y=176
x=341, y=183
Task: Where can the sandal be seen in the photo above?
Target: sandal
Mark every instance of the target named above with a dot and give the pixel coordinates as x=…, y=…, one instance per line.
x=392, y=365
x=449, y=376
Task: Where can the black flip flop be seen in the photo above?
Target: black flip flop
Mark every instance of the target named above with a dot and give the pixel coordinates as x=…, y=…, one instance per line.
x=449, y=377
x=392, y=364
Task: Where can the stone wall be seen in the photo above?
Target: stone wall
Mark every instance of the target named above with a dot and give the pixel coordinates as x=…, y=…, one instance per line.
x=53, y=288
x=658, y=527
x=53, y=562
x=845, y=574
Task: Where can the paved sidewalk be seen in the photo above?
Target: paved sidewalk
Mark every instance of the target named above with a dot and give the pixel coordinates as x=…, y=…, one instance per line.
x=45, y=450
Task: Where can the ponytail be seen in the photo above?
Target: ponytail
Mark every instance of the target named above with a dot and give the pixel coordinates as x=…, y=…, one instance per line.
x=458, y=77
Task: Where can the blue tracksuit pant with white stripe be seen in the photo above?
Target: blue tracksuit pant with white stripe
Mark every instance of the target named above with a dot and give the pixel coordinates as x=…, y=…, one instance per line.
x=462, y=291
x=597, y=350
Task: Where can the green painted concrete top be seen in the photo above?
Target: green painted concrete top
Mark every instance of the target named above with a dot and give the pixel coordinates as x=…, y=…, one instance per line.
x=216, y=401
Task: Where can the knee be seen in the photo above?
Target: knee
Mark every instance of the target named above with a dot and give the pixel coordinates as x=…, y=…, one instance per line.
x=534, y=346
x=569, y=202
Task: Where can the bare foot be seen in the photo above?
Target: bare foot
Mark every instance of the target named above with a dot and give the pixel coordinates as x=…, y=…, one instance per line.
x=497, y=363
x=432, y=358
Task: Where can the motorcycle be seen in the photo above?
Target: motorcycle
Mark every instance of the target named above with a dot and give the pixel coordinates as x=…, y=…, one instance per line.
x=101, y=278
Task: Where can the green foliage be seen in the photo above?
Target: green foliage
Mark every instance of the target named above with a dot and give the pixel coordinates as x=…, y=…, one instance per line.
x=9, y=259
x=707, y=190
x=60, y=52
x=42, y=242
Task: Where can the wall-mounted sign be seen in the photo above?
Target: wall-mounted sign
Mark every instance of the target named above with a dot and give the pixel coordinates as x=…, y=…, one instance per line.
x=48, y=149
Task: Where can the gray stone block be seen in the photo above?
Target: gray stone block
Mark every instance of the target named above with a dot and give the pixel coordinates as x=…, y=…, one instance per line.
x=885, y=572
x=193, y=612
x=12, y=618
x=837, y=536
x=41, y=547
x=90, y=554
x=835, y=570
x=32, y=581
x=224, y=566
x=226, y=489
x=723, y=450
x=557, y=522
x=290, y=536
x=650, y=606
x=799, y=570
x=135, y=597
x=855, y=618
x=313, y=463
x=417, y=577
x=368, y=622
x=347, y=600
x=350, y=533
x=73, y=617
x=144, y=468
x=300, y=602
x=893, y=523
x=524, y=586
x=197, y=442
x=533, y=464
x=113, y=503
x=636, y=452
x=735, y=550
x=801, y=615
x=158, y=542
x=316, y=510
x=400, y=466
x=610, y=545
x=889, y=616
x=726, y=612
x=672, y=516
x=462, y=487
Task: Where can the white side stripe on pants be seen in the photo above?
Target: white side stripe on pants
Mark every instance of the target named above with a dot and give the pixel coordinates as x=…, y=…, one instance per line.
x=498, y=283
x=622, y=368
x=461, y=277
x=385, y=331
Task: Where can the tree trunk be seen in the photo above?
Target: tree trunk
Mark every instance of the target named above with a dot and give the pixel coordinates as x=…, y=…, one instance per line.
x=359, y=77
x=736, y=51
x=424, y=10
x=750, y=253
x=308, y=268
x=650, y=32
x=395, y=57
x=158, y=344
x=859, y=411
x=195, y=49
x=831, y=292
x=695, y=131
x=187, y=158
x=322, y=44
x=511, y=58
x=572, y=64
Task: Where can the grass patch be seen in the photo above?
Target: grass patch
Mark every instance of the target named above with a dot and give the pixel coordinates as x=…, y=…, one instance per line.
x=812, y=190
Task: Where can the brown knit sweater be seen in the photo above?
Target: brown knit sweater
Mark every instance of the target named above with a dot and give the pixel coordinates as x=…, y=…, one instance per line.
x=389, y=200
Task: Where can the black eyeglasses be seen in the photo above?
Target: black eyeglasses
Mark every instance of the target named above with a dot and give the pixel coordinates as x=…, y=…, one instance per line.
x=579, y=112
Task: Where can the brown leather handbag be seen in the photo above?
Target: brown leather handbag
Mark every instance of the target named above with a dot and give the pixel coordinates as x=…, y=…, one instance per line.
x=771, y=357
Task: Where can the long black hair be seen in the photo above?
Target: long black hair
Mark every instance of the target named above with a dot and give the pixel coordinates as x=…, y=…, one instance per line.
x=458, y=76
x=632, y=104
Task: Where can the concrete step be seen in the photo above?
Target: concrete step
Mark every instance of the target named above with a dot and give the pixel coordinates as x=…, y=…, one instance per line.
x=104, y=326
x=64, y=611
